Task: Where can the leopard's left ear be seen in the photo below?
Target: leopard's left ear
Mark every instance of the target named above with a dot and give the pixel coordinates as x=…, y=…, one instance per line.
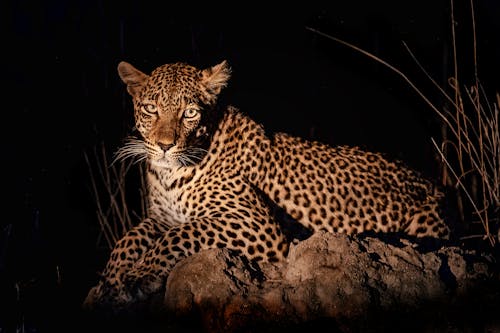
x=215, y=78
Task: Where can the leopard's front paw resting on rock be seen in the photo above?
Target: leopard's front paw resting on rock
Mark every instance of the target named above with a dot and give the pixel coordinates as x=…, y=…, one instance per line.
x=130, y=294
x=108, y=297
x=142, y=285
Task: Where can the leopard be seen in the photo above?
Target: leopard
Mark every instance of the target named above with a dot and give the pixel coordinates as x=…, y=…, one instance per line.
x=215, y=177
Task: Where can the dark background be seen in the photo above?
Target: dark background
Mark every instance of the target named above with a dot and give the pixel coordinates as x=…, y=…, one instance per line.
x=62, y=98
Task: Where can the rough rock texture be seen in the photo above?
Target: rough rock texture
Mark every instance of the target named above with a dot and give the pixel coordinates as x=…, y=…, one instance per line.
x=345, y=283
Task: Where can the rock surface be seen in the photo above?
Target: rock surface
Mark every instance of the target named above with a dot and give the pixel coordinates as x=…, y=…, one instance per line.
x=347, y=283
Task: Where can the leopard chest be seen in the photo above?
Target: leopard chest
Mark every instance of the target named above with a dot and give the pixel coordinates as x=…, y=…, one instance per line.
x=165, y=206
x=200, y=193
x=181, y=197
x=169, y=196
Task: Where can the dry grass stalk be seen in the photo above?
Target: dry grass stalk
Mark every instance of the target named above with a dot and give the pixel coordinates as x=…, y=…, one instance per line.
x=472, y=155
x=108, y=182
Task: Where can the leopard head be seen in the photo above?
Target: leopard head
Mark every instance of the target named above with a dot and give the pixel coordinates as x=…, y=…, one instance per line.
x=175, y=111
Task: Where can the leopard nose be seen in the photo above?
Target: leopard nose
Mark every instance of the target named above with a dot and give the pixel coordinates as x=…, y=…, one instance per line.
x=164, y=146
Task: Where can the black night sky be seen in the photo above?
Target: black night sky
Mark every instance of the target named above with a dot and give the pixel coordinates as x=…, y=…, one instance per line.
x=63, y=97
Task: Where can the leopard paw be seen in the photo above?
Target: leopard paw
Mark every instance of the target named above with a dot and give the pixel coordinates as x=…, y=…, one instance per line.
x=107, y=297
x=142, y=285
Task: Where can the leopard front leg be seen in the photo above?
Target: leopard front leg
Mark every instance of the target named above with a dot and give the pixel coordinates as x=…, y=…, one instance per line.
x=127, y=251
x=256, y=241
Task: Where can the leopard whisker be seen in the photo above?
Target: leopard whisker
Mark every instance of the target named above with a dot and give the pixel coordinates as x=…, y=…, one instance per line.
x=185, y=160
x=198, y=152
x=189, y=159
x=193, y=156
x=133, y=148
x=198, y=149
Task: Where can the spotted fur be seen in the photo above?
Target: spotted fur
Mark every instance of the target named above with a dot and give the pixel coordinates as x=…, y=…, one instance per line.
x=214, y=175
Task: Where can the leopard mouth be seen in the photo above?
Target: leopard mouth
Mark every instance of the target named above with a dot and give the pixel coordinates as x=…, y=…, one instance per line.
x=179, y=157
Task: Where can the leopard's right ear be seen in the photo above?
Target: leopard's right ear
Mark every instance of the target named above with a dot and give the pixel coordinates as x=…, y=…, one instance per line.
x=132, y=77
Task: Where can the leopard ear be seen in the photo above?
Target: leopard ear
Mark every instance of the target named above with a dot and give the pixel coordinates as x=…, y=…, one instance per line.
x=215, y=78
x=132, y=77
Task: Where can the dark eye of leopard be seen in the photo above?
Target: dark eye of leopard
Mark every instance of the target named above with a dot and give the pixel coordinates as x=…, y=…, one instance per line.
x=190, y=113
x=150, y=108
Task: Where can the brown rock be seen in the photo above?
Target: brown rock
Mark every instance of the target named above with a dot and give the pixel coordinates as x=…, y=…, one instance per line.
x=348, y=282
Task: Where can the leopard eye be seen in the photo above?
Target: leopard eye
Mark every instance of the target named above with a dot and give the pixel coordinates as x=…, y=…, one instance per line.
x=150, y=108
x=190, y=113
